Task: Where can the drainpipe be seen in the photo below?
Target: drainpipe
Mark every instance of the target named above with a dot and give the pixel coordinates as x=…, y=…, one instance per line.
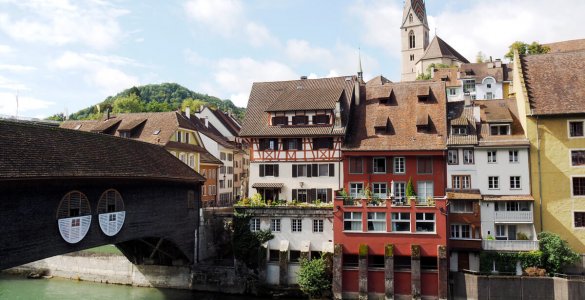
x=539, y=173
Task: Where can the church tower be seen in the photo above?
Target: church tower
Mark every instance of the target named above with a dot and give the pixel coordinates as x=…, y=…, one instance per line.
x=414, y=36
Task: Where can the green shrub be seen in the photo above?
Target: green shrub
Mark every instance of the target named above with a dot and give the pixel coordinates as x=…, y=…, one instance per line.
x=314, y=277
x=556, y=253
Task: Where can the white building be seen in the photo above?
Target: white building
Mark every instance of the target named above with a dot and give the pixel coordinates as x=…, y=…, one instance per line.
x=477, y=81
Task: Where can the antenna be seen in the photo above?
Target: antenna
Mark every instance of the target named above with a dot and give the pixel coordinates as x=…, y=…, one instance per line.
x=17, y=104
x=360, y=72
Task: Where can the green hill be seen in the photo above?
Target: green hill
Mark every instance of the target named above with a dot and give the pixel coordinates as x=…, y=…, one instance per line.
x=155, y=98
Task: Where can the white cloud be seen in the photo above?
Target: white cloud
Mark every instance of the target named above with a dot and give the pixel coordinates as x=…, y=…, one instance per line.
x=222, y=16
x=16, y=68
x=381, y=20
x=300, y=51
x=9, y=84
x=235, y=76
x=92, y=23
x=195, y=58
x=5, y=49
x=25, y=104
x=259, y=35
x=99, y=70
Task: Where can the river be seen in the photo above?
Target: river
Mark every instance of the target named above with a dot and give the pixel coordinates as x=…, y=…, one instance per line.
x=20, y=288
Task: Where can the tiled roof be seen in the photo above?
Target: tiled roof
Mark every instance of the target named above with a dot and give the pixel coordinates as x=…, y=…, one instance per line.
x=479, y=71
x=208, y=158
x=210, y=132
x=461, y=115
x=265, y=94
x=267, y=185
x=41, y=152
x=306, y=99
x=508, y=198
x=566, y=46
x=453, y=194
x=402, y=112
x=447, y=75
x=229, y=122
x=555, y=82
x=501, y=109
x=439, y=48
x=378, y=80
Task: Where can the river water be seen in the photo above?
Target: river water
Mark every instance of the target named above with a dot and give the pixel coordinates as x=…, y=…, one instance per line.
x=20, y=288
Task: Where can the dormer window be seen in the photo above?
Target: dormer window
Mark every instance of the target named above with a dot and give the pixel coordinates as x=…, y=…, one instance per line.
x=469, y=86
x=459, y=130
x=423, y=93
x=321, y=119
x=300, y=120
x=500, y=129
x=280, y=120
x=125, y=134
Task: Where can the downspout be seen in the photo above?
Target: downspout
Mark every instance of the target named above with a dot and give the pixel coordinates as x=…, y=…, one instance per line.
x=539, y=173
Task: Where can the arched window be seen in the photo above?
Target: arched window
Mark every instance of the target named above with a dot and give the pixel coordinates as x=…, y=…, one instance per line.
x=410, y=18
x=191, y=160
x=74, y=217
x=111, y=212
x=411, y=40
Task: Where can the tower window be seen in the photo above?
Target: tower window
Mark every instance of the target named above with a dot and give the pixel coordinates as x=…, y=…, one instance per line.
x=412, y=57
x=410, y=18
x=411, y=40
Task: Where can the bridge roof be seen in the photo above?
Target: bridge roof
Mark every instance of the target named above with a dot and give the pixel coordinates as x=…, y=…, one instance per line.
x=40, y=152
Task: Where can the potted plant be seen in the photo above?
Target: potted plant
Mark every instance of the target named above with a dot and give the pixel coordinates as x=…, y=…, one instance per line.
x=410, y=193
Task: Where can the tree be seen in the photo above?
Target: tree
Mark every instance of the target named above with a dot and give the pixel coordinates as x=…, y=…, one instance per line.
x=480, y=57
x=247, y=245
x=128, y=104
x=57, y=117
x=410, y=189
x=314, y=277
x=430, y=68
x=193, y=104
x=556, y=253
x=526, y=49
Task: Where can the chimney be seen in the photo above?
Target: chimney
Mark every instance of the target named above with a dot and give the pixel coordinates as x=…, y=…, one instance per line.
x=498, y=63
x=188, y=112
x=467, y=99
x=206, y=122
x=304, y=77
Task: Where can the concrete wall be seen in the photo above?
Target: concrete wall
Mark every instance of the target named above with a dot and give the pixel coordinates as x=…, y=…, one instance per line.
x=470, y=286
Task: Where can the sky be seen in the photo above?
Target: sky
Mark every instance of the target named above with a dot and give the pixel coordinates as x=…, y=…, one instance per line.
x=65, y=55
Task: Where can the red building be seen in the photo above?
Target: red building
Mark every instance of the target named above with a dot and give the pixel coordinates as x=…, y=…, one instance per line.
x=388, y=244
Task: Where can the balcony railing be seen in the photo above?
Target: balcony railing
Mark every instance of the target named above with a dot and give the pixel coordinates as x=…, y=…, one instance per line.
x=514, y=216
x=509, y=245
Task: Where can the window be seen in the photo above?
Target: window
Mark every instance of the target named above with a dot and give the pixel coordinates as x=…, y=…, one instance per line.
x=410, y=18
x=274, y=255
x=230, y=157
x=322, y=143
x=452, y=92
x=579, y=218
x=292, y=144
x=267, y=144
x=424, y=165
x=379, y=165
x=399, y=190
x=576, y=129
x=125, y=134
x=350, y=260
x=578, y=186
x=322, y=195
x=267, y=170
x=453, y=157
x=300, y=120
x=512, y=206
x=460, y=231
x=182, y=157
x=489, y=95
x=411, y=40
x=302, y=195
x=222, y=155
x=515, y=182
x=513, y=156
x=281, y=120
x=321, y=119
x=425, y=190
x=222, y=184
x=356, y=190
x=112, y=218
x=317, y=225
x=376, y=261
x=577, y=158
x=468, y=156
x=425, y=222
x=380, y=190
x=275, y=225
x=461, y=206
x=399, y=165
x=459, y=130
x=469, y=86
x=352, y=221
x=493, y=182
x=191, y=160
x=502, y=129
x=492, y=157
x=230, y=183
x=401, y=222
x=203, y=190
x=302, y=170
x=294, y=256
x=254, y=224
x=356, y=165
x=376, y=221
x=296, y=225
x=179, y=135
x=461, y=181
x=412, y=57
x=222, y=170
x=324, y=170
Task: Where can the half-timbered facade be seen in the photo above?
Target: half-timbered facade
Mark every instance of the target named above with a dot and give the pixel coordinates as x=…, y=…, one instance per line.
x=389, y=242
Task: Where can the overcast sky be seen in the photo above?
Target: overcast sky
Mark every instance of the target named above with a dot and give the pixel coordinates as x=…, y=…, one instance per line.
x=67, y=55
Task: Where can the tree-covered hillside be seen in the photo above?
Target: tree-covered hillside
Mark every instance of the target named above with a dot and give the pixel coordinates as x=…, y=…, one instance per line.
x=156, y=98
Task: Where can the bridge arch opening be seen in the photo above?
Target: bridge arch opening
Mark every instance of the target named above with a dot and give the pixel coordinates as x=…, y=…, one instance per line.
x=74, y=216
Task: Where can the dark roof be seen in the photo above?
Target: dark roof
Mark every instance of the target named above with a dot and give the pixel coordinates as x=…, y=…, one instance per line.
x=232, y=125
x=208, y=158
x=41, y=152
x=555, y=82
x=402, y=132
x=211, y=132
x=265, y=95
x=439, y=48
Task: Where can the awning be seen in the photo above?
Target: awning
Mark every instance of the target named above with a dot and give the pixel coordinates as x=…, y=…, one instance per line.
x=267, y=185
x=463, y=196
x=508, y=198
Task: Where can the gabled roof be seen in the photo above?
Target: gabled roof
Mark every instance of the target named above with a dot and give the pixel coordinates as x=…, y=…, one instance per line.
x=461, y=115
x=40, y=152
x=500, y=111
x=447, y=75
x=402, y=113
x=211, y=132
x=208, y=158
x=419, y=9
x=229, y=122
x=555, y=82
x=378, y=80
x=482, y=70
x=266, y=95
x=439, y=48
x=566, y=46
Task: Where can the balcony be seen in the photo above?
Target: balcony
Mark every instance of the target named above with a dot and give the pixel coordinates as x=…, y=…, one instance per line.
x=509, y=245
x=514, y=217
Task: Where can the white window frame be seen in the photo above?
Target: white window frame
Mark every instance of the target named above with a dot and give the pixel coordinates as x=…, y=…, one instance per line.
x=318, y=225
x=571, y=158
x=509, y=129
x=403, y=190
x=275, y=225
x=493, y=182
x=376, y=218
x=374, y=165
x=513, y=156
x=456, y=208
x=519, y=183
x=569, y=129
x=354, y=191
x=573, y=223
x=402, y=217
x=399, y=165
x=453, y=153
x=573, y=195
x=353, y=219
x=457, y=232
x=254, y=224
x=471, y=161
x=492, y=156
x=296, y=225
x=422, y=197
x=426, y=221
x=323, y=167
x=380, y=186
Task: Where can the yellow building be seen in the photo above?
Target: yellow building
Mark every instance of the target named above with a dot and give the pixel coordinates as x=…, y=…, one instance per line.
x=550, y=94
